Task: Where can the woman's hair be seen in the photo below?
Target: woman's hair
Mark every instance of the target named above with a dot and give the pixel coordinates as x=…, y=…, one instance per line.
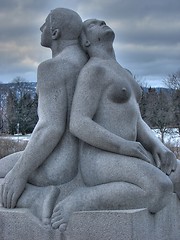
x=83, y=39
x=84, y=42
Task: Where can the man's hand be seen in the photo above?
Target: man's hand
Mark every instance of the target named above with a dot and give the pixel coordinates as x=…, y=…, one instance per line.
x=164, y=159
x=12, y=189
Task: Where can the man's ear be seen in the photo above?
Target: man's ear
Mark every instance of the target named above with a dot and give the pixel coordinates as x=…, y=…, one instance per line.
x=56, y=34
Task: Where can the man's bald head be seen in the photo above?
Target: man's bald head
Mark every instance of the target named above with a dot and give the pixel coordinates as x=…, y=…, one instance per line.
x=67, y=21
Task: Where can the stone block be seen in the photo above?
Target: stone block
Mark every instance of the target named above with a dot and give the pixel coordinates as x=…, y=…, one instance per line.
x=137, y=224
x=20, y=224
x=109, y=225
x=167, y=221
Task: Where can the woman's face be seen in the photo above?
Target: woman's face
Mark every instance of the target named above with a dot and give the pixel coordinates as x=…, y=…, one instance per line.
x=97, y=30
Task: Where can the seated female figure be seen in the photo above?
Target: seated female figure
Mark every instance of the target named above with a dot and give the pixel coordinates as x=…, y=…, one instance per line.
x=122, y=162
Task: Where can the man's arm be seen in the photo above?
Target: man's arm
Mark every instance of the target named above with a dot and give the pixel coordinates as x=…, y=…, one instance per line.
x=52, y=107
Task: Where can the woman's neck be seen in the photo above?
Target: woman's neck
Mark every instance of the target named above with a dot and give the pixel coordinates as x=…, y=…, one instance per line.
x=102, y=51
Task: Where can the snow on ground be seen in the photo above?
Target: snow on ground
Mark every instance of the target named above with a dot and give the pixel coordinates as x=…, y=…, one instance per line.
x=172, y=137
x=17, y=137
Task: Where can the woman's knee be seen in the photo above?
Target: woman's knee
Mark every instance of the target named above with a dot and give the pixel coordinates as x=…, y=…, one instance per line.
x=165, y=185
x=160, y=193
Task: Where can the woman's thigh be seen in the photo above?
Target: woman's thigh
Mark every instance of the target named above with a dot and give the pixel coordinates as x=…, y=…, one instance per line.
x=99, y=167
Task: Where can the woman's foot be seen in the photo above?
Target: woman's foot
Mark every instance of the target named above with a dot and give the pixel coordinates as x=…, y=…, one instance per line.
x=63, y=211
x=80, y=200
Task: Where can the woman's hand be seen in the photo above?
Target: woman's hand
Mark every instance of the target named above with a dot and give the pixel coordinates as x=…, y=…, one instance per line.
x=164, y=159
x=135, y=149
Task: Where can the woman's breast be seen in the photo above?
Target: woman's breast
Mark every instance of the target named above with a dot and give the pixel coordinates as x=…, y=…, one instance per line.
x=119, y=92
x=118, y=112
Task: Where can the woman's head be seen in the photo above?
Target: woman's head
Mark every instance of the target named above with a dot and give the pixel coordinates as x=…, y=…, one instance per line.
x=95, y=32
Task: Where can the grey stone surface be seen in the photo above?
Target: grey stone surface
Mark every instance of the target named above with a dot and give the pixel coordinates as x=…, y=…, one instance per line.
x=51, y=156
x=121, y=164
x=136, y=224
x=110, y=225
x=167, y=222
x=20, y=224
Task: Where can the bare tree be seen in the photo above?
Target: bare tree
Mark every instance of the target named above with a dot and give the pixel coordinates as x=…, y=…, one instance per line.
x=173, y=81
x=158, y=110
x=21, y=107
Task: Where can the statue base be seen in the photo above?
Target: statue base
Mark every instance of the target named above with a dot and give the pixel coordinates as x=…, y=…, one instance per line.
x=137, y=224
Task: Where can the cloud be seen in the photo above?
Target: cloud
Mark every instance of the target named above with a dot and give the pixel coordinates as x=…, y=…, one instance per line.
x=147, y=33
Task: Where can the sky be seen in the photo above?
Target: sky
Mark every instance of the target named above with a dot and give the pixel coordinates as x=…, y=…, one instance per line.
x=147, y=33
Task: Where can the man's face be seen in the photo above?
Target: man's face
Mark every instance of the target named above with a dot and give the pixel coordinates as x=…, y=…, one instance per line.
x=46, y=38
x=97, y=30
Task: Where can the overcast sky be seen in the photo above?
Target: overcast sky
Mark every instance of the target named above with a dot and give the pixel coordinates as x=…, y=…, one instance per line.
x=147, y=35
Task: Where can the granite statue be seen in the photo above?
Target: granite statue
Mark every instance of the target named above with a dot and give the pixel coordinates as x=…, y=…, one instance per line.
x=89, y=127
x=123, y=164
x=51, y=156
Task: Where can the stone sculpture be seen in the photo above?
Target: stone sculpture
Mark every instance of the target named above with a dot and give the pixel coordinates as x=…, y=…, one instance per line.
x=123, y=164
x=51, y=155
x=101, y=137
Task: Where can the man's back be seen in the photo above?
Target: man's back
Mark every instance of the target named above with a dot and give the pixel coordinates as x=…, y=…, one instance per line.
x=62, y=164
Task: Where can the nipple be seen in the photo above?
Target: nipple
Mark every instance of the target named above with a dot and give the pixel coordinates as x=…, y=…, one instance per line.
x=119, y=94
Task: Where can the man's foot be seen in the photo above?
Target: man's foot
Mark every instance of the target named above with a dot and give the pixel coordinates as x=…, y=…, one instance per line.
x=49, y=203
x=40, y=201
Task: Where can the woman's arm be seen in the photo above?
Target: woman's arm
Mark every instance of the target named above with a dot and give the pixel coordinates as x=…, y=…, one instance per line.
x=164, y=158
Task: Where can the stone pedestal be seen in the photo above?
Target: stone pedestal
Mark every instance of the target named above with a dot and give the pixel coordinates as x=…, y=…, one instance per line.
x=109, y=225
x=20, y=224
x=137, y=224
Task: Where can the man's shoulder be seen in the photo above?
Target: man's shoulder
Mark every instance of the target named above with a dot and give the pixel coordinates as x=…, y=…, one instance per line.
x=45, y=64
x=58, y=62
x=56, y=65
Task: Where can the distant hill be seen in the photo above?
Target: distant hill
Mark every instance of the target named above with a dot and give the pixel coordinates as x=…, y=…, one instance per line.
x=31, y=88
x=158, y=89
x=156, y=102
